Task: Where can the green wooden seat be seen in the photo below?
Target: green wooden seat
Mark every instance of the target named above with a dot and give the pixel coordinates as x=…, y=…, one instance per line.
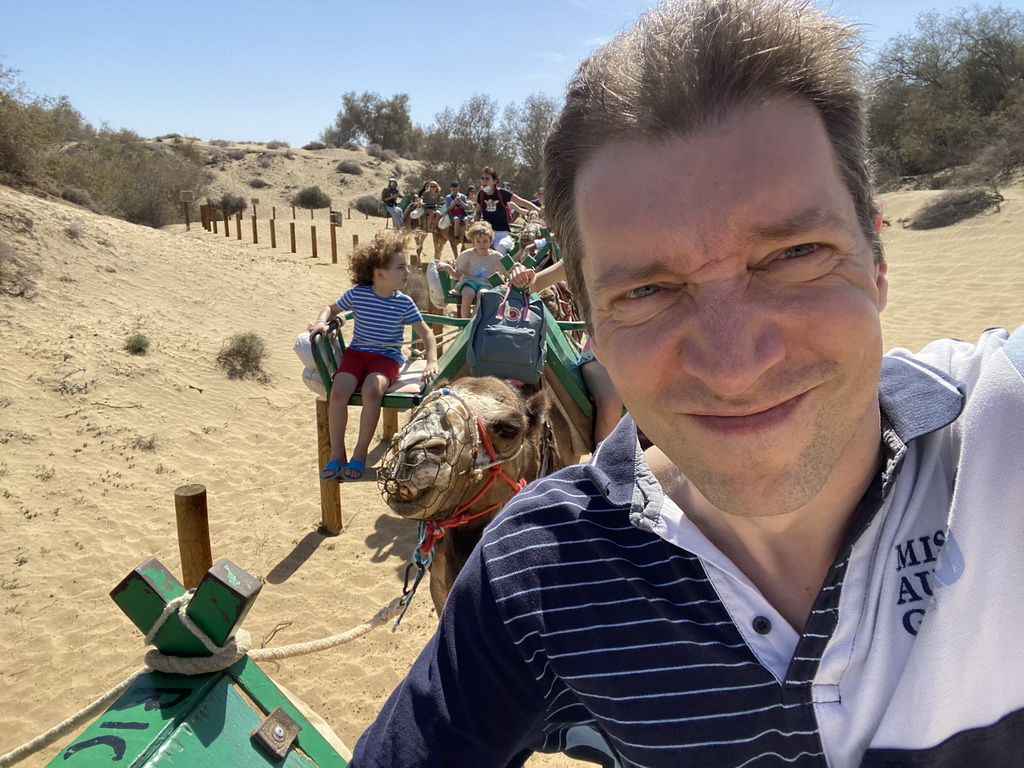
x=403, y=395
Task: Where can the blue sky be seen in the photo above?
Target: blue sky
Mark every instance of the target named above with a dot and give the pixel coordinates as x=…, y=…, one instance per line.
x=257, y=71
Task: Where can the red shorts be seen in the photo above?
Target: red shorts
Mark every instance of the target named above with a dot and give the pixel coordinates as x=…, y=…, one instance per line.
x=361, y=364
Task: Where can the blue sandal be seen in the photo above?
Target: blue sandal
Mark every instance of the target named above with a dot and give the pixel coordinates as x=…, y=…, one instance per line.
x=356, y=466
x=332, y=471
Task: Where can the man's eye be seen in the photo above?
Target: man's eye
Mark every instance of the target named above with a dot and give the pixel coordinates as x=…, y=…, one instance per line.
x=642, y=291
x=804, y=249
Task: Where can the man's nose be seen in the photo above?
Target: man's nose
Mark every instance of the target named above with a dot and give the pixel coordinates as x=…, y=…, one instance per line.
x=731, y=340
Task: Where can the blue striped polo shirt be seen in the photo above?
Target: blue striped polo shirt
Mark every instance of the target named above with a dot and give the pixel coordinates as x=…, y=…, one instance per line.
x=379, y=323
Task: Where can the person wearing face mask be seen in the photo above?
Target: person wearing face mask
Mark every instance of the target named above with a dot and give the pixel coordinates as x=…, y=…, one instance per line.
x=493, y=207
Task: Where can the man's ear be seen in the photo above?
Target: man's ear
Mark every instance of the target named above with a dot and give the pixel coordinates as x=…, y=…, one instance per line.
x=882, y=283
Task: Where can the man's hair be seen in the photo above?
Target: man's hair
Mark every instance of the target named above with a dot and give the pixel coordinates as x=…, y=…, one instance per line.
x=492, y=173
x=478, y=227
x=684, y=68
x=376, y=255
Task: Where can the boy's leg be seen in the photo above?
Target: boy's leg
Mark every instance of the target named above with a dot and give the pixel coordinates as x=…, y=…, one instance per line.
x=337, y=412
x=374, y=387
x=468, y=294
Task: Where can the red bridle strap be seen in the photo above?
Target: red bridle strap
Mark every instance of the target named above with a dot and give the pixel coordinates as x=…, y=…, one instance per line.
x=435, y=529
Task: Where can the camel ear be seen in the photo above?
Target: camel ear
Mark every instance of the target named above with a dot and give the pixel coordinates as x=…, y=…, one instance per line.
x=537, y=407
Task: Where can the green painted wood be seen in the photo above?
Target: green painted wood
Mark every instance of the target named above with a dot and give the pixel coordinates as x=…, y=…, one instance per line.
x=216, y=734
x=139, y=722
x=222, y=600
x=261, y=689
x=143, y=594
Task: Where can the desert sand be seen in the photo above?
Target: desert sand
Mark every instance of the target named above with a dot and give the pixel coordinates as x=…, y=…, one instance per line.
x=94, y=441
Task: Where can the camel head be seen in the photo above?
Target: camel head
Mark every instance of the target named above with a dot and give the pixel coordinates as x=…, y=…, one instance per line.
x=440, y=461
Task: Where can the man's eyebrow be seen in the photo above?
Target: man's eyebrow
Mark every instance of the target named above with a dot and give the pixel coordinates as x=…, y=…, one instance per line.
x=807, y=220
x=626, y=272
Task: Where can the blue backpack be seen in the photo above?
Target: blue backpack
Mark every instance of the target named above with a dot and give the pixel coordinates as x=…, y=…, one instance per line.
x=507, y=336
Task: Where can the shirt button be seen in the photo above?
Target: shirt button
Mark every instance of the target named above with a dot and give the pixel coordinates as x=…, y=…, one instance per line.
x=761, y=625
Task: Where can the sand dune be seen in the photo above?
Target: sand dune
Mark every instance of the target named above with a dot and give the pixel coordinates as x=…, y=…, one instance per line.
x=93, y=441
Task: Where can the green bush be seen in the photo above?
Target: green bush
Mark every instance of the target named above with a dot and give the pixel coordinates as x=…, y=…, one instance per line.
x=258, y=183
x=277, y=144
x=314, y=145
x=241, y=357
x=957, y=205
x=136, y=344
x=312, y=197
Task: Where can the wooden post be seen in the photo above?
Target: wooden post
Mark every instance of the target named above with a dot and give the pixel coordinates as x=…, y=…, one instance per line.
x=334, y=244
x=227, y=223
x=355, y=241
x=389, y=422
x=349, y=213
x=238, y=225
x=188, y=225
x=273, y=234
x=330, y=493
x=255, y=234
x=193, y=533
x=293, y=212
x=291, y=225
x=213, y=219
x=312, y=231
x=310, y=214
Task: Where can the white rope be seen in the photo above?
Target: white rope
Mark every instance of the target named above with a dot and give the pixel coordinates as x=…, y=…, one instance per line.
x=221, y=658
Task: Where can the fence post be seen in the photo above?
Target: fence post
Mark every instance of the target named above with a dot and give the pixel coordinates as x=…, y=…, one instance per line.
x=334, y=244
x=273, y=234
x=330, y=493
x=255, y=234
x=227, y=223
x=193, y=520
x=312, y=231
x=238, y=225
x=291, y=225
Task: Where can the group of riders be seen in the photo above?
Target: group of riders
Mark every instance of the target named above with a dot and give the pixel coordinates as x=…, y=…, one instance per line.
x=434, y=211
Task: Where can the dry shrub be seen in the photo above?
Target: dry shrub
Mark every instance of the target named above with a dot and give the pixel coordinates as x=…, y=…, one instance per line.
x=350, y=167
x=312, y=197
x=241, y=357
x=368, y=204
x=144, y=444
x=955, y=206
x=17, y=274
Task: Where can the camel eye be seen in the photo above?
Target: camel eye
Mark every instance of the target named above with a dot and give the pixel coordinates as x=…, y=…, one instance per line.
x=505, y=429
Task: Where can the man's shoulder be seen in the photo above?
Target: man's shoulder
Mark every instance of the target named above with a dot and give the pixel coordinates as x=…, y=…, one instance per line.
x=546, y=506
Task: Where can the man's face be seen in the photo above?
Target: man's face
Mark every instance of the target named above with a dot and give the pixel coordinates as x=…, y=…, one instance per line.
x=737, y=310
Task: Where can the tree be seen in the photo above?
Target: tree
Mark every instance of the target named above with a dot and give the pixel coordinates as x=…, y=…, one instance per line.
x=372, y=120
x=942, y=92
x=528, y=126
